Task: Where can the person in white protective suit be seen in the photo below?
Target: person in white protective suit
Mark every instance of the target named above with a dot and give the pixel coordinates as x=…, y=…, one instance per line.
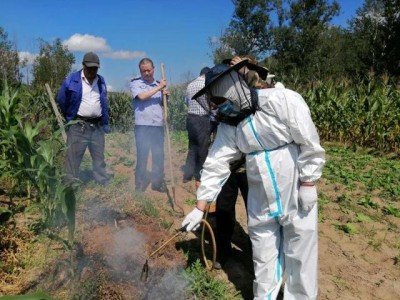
x=284, y=160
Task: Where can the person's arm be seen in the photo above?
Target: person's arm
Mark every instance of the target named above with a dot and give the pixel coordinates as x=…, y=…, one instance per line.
x=302, y=129
x=187, y=96
x=311, y=158
x=201, y=205
x=216, y=171
x=62, y=97
x=143, y=96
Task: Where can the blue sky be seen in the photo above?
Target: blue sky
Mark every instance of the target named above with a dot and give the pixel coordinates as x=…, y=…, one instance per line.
x=173, y=32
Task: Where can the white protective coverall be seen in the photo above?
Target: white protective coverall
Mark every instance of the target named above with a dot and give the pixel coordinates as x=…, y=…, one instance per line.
x=282, y=149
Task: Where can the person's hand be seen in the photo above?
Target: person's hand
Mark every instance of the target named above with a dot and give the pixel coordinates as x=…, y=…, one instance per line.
x=307, y=197
x=163, y=83
x=193, y=219
x=235, y=60
x=106, y=128
x=166, y=92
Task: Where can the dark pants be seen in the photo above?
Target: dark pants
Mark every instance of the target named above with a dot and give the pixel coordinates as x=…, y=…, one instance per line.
x=225, y=212
x=80, y=136
x=149, y=139
x=198, y=128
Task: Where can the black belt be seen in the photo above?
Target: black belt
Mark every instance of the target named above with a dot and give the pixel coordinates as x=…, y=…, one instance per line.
x=89, y=120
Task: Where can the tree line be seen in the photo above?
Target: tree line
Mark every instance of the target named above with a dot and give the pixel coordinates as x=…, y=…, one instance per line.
x=287, y=36
x=292, y=36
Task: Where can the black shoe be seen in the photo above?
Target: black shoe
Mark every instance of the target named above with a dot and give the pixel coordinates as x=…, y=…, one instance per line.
x=162, y=188
x=186, y=179
x=139, y=188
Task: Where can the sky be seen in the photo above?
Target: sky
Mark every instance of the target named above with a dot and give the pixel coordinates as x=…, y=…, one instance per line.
x=175, y=33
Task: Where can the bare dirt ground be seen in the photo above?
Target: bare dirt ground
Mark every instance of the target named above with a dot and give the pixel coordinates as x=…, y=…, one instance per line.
x=114, y=238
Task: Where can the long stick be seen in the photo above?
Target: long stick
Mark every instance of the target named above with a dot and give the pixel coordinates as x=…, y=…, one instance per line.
x=166, y=125
x=56, y=112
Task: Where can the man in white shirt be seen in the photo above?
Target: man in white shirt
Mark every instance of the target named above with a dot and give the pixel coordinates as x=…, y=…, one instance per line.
x=83, y=97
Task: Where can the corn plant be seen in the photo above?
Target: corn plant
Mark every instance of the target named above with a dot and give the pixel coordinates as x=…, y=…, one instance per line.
x=120, y=111
x=177, y=110
x=27, y=157
x=363, y=112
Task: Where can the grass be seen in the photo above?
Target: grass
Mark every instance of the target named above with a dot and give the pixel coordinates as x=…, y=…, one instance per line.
x=147, y=206
x=204, y=285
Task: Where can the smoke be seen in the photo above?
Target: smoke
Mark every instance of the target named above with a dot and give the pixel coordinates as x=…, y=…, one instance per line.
x=128, y=245
x=172, y=285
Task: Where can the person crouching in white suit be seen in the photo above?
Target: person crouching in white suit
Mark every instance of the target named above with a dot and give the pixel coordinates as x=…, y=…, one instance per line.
x=284, y=160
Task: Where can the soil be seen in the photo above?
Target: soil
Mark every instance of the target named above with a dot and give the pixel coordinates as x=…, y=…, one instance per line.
x=114, y=239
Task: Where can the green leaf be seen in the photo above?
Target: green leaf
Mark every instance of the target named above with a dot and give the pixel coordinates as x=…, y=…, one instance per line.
x=363, y=218
x=348, y=228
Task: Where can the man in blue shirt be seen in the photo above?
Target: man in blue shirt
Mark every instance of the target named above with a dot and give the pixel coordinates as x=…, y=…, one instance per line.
x=83, y=97
x=149, y=126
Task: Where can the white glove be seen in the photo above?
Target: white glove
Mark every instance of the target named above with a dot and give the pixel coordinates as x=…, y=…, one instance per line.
x=307, y=197
x=193, y=219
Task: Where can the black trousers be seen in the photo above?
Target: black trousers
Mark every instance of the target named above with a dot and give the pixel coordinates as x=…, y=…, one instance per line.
x=225, y=212
x=198, y=128
x=149, y=139
x=81, y=136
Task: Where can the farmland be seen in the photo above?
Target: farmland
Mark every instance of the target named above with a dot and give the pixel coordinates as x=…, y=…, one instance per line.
x=91, y=242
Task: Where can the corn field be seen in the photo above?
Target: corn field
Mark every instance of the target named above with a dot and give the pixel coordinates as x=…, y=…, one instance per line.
x=365, y=114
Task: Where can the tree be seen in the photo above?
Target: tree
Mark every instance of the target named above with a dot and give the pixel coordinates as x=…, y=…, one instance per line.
x=376, y=32
x=301, y=30
x=9, y=61
x=368, y=37
x=52, y=65
x=392, y=32
x=247, y=33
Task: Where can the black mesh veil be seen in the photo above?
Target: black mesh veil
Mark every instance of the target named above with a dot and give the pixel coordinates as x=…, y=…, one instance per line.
x=238, y=92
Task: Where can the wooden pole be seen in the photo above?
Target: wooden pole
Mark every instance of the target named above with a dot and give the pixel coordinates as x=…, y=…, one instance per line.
x=56, y=112
x=166, y=126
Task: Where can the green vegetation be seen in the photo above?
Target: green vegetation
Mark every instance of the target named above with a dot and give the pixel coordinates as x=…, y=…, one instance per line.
x=349, y=78
x=30, y=160
x=297, y=36
x=364, y=113
x=203, y=285
x=375, y=174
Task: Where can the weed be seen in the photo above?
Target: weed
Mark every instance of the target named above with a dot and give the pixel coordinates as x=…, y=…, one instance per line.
x=191, y=201
x=147, y=206
x=363, y=218
x=165, y=224
x=367, y=202
x=376, y=245
x=343, y=199
x=322, y=201
x=348, y=228
x=203, y=284
x=391, y=210
x=126, y=161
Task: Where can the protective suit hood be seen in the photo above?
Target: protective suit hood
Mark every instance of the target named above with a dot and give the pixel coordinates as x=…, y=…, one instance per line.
x=226, y=87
